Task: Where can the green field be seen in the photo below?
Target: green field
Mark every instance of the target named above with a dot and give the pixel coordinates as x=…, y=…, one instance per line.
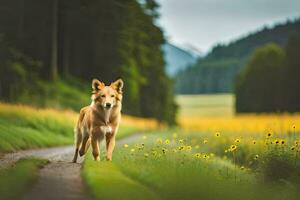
x=206, y=105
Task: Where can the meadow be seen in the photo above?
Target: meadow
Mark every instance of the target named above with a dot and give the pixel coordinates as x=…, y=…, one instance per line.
x=213, y=155
x=25, y=127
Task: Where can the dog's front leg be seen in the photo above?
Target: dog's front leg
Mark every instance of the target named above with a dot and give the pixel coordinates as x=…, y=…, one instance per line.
x=110, y=145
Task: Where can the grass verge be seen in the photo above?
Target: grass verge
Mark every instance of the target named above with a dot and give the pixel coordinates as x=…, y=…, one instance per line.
x=16, y=180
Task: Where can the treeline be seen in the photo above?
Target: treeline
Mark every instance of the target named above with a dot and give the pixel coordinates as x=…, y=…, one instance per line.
x=56, y=39
x=215, y=73
x=270, y=81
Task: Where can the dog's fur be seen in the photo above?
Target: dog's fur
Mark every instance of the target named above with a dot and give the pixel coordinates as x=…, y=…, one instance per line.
x=100, y=119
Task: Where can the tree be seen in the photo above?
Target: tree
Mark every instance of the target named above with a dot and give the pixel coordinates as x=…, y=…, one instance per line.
x=259, y=87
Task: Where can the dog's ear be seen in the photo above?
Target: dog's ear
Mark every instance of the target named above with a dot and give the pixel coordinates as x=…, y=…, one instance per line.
x=118, y=85
x=97, y=85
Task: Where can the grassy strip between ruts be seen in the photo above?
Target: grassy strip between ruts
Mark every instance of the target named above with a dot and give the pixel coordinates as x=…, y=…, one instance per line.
x=16, y=180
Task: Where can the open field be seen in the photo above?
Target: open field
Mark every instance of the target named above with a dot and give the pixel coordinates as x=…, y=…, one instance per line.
x=211, y=113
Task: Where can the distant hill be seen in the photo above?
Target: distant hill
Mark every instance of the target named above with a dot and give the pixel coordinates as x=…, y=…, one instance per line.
x=177, y=58
x=215, y=73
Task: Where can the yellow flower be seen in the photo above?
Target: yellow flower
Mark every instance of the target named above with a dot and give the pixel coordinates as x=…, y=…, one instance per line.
x=197, y=155
x=217, y=134
x=159, y=141
x=188, y=148
x=226, y=151
x=292, y=148
x=269, y=135
x=233, y=147
x=282, y=141
x=167, y=141
x=174, y=135
x=205, y=141
x=205, y=156
x=126, y=145
x=132, y=150
x=181, y=148
x=181, y=141
x=164, y=150
x=256, y=157
x=254, y=141
x=237, y=140
x=276, y=141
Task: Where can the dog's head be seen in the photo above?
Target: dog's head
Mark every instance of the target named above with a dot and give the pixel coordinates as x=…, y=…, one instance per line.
x=107, y=96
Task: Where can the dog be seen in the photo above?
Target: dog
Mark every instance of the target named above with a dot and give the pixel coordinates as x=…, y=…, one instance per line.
x=100, y=119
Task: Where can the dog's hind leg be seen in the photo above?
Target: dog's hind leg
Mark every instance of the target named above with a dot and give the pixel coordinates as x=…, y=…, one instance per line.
x=85, y=143
x=78, y=140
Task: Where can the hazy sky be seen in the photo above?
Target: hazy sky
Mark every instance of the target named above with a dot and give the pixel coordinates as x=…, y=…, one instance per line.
x=203, y=23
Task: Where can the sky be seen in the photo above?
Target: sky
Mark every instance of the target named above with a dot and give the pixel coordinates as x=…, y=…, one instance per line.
x=204, y=23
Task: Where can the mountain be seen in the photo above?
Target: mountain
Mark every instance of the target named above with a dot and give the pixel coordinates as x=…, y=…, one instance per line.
x=177, y=58
x=216, y=72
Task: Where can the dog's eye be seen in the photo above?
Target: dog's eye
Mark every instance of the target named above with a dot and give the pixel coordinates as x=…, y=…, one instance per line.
x=103, y=95
x=112, y=95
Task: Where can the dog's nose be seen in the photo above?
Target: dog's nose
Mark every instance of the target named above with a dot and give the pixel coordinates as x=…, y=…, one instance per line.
x=108, y=105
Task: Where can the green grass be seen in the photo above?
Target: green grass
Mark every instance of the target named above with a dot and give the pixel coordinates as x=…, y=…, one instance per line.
x=23, y=127
x=106, y=181
x=171, y=173
x=205, y=105
x=16, y=180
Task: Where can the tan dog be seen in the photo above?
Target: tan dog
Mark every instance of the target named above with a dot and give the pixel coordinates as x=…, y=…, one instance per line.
x=100, y=119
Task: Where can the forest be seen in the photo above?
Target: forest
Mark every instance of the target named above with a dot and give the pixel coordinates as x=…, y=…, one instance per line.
x=51, y=50
x=216, y=72
x=270, y=80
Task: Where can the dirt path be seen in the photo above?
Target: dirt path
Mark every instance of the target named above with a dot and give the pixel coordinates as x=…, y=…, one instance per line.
x=60, y=179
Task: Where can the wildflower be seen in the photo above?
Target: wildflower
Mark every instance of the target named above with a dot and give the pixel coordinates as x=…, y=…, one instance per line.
x=146, y=155
x=226, y=151
x=205, y=156
x=132, y=150
x=181, y=148
x=233, y=147
x=167, y=141
x=277, y=141
x=126, y=145
x=237, y=140
x=217, y=134
x=197, y=155
x=159, y=141
x=174, y=135
x=293, y=148
x=269, y=134
x=188, y=148
x=181, y=141
x=164, y=150
x=205, y=141
x=254, y=141
x=256, y=157
x=297, y=143
x=282, y=141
